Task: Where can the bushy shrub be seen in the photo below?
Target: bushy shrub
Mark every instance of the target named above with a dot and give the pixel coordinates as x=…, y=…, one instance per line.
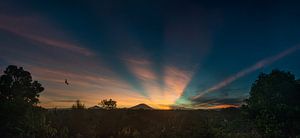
x=274, y=104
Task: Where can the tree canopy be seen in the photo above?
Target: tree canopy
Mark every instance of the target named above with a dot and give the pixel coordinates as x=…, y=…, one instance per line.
x=16, y=85
x=19, y=115
x=78, y=105
x=108, y=104
x=274, y=103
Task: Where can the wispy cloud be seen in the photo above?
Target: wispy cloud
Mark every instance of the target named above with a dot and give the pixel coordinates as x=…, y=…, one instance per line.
x=32, y=29
x=90, y=78
x=256, y=66
x=174, y=81
x=141, y=68
x=90, y=88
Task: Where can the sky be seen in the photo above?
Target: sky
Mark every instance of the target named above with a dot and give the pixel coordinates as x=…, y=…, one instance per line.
x=167, y=54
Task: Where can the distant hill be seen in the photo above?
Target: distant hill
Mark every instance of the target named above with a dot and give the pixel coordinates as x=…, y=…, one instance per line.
x=141, y=107
x=95, y=107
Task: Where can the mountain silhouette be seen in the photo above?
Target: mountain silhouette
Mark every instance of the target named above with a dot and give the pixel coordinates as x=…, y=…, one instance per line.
x=142, y=107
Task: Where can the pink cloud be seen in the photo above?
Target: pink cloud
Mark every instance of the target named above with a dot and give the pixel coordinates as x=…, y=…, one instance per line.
x=36, y=31
x=175, y=80
x=90, y=88
x=141, y=68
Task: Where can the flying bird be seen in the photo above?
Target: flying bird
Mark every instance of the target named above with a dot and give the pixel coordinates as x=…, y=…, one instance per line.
x=66, y=82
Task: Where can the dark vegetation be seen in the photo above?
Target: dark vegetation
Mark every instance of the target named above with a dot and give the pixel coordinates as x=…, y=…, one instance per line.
x=151, y=123
x=108, y=104
x=78, y=105
x=272, y=110
x=274, y=104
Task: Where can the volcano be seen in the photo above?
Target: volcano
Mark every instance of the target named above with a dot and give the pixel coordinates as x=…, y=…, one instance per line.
x=142, y=107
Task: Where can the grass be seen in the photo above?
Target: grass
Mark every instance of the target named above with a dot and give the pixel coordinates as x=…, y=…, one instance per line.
x=150, y=123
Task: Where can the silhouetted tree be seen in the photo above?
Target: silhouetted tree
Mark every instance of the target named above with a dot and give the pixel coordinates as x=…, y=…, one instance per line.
x=78, y=105
x=108, y=104
x=274, y=103
x=17, y=86
x=19, y=114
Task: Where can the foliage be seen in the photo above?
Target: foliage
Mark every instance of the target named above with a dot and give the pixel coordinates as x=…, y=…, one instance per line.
x=274, y=104
x=19, y=115
x=108, y=104
x=152, y=123
x=78, y=105
x=17, y=86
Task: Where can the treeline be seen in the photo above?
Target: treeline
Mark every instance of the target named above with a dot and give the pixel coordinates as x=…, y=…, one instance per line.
x=104, y=104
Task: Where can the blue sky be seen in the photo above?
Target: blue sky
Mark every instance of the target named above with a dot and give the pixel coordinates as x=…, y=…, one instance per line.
x=163, y=53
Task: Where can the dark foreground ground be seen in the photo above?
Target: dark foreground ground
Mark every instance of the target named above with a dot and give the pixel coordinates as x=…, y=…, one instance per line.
x=150, y=123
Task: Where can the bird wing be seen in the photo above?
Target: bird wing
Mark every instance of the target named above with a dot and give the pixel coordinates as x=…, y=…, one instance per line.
x=66, y=82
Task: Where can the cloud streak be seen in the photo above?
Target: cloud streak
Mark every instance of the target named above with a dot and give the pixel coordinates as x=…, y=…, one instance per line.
x=26, y=27
x=256, y=66
x=161, y=96
x=87, y=87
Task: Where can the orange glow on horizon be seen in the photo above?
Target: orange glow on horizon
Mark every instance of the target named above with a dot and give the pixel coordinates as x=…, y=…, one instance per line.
x=222, y=106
